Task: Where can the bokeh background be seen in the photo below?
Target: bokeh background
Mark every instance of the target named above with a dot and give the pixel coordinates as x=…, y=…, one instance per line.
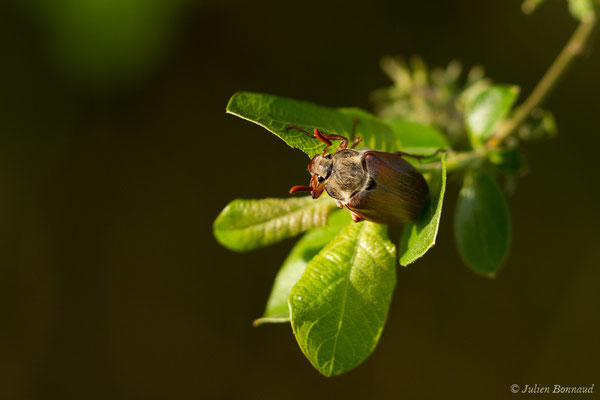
x=116, y=155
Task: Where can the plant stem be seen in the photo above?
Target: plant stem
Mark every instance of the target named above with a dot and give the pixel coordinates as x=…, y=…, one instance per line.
x=573, y=48
x=457, y=160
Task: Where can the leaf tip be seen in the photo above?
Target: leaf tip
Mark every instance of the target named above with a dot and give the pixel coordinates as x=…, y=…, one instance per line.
x=231, y=104
x=269, y=320
x=487, y=274
x=230, y=101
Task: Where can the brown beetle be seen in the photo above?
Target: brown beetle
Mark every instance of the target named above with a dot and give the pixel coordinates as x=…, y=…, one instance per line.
x=375, y=186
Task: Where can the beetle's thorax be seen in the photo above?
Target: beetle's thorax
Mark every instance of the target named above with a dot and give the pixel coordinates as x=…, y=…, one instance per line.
x=348, y=175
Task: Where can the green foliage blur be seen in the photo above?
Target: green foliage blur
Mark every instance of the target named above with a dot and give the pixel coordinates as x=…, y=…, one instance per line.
x=103, y=43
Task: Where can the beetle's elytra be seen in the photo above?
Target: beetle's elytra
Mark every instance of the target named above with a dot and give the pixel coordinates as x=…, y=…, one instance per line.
x=375, y=186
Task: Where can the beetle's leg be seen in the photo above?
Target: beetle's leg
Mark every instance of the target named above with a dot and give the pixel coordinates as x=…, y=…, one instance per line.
x=319, y=135
x=339, y=204
x=356, y=142
x=325, y=138
x=300, y=130
x=355, y=217
x=420, y=156
x=300, y=188
x=328, y=138
x=415, y=156
x=354, y=123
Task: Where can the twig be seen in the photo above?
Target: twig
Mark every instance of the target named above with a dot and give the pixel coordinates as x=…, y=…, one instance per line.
x=457, y=160
x=573, y=48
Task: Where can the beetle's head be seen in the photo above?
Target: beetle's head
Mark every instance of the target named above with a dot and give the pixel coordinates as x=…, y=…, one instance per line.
x=321, y=166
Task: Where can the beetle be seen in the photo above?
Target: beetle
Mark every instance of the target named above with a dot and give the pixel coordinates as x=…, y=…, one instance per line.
x=374, y=185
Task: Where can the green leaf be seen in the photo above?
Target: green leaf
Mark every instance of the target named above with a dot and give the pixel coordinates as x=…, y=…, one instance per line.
x=540, y=124
x=581, y=9
x=340, y=304
x=508, y=159
x=482, y=224
x=487, y=109
x=277, y=113
x=530, y=6
x=245, y=225
x=294, y=265
x=419, y=237
x=417, y=138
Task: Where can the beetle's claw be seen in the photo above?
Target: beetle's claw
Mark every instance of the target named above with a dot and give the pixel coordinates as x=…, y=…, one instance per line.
x=339, y=204
x=355, y=217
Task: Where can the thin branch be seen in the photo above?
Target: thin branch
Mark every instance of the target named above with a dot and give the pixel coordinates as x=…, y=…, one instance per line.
x=573, y=48
x=457, y=160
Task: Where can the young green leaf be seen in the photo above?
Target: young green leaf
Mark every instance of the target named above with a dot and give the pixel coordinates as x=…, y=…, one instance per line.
x=340, y=304
x=277, y=113
x=482, y=224
x=417, y=138
x=530, y=6
x=487, y=109
x=418, y=237
x=507, y=159
x=245, y=225
x=582, y=9
x=540, y=124
x=294, y=265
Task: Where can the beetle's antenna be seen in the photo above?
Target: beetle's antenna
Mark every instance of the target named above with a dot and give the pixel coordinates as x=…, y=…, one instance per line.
x=356, y=142
x=300, y=188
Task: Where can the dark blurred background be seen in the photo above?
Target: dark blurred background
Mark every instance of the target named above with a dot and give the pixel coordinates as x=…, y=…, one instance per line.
x=116, y=155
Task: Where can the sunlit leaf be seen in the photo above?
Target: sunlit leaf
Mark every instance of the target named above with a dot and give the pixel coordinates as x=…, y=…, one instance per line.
x=487, y=109
x=417, y=138
x=308, y=246
x=582, y=9
x=245, y=225
x=340, y=304
x=419, y=237
x=278, y=113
